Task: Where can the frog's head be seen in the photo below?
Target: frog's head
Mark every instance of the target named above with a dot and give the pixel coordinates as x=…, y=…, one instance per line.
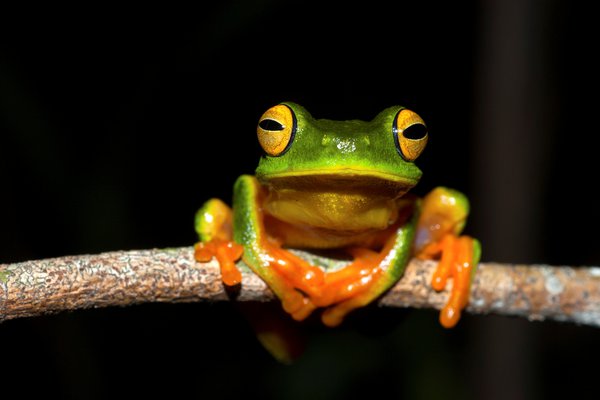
x=305, y=153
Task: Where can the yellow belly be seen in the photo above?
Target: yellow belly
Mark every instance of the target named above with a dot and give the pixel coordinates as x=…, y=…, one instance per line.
x=333, y=211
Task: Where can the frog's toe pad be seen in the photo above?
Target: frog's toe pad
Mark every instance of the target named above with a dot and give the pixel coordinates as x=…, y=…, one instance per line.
x=449, y=316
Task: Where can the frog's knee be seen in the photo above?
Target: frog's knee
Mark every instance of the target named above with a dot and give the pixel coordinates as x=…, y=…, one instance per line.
x=213, y=220
x=446, y=198
x=447, y=206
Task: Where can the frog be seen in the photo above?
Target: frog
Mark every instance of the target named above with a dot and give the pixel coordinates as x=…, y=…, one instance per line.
x=343, y=186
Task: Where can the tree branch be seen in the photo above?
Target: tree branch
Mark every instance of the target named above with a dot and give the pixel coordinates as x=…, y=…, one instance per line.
x=123, y=278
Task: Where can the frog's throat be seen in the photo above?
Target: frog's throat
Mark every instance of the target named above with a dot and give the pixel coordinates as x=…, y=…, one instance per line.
x=348, y=177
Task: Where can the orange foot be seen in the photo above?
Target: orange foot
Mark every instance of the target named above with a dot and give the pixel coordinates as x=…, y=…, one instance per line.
x=295, y=280
x=351, y=287
x=227, y=253
x=456, y=262
x=303, y=287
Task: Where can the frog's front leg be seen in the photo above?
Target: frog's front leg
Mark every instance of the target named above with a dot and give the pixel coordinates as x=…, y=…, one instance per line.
x=228, y=235
x=443, y=216
x=291, y=278
x=370, y=274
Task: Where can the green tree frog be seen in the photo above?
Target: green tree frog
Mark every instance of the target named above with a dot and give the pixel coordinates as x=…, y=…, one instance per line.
x=324, y=184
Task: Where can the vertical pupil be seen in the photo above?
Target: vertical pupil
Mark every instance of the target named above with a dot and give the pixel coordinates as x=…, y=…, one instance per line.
x=270, y=125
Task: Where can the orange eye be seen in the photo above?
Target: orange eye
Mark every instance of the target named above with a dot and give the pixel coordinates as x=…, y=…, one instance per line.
x=276, y=129
x=410, y=134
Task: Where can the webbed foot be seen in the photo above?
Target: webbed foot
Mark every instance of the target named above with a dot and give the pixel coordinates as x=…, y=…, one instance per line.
x=443, y=216
x=227, y=253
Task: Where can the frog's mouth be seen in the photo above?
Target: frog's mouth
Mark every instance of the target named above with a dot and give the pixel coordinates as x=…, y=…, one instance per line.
x=341, y=180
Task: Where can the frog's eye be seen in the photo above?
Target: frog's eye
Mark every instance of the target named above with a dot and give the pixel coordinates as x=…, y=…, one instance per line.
x=276, y=129
x=410, y=134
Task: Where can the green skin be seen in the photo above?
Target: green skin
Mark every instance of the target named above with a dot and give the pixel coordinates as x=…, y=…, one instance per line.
x=323, y=144
x=359, y=150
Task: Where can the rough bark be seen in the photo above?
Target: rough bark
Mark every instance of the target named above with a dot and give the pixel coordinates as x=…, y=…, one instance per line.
x=123, y=278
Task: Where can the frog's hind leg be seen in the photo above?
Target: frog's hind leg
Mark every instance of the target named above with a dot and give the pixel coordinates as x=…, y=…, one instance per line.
x=214, y=225
x=443, y=215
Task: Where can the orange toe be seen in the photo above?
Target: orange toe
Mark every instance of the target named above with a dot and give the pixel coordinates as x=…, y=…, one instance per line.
x=227, y=253
x=456, y=262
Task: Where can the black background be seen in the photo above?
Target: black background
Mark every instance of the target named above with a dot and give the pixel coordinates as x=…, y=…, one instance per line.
x=117, y=123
